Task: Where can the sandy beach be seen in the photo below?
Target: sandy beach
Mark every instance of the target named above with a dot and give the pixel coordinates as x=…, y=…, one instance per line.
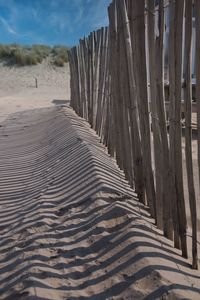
x=70, y=226
x=18, y=91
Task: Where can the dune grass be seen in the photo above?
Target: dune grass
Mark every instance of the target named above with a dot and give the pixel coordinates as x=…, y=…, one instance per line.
x=60, y=55
x=21, y=55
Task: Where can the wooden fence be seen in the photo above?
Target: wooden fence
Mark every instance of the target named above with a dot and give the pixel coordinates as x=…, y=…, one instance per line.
x=117, y=84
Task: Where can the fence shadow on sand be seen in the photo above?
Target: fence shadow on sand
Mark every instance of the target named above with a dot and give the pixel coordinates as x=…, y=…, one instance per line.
x=71, y=228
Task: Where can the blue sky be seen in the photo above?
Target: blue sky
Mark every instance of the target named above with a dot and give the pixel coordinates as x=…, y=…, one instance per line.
x=50, y=21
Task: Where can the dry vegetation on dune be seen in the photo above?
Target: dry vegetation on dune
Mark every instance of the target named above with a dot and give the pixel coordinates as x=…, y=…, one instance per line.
x=32, y=55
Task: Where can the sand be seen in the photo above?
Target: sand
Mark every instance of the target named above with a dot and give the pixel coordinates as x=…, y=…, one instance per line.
x=70, y=226
x=18, y=91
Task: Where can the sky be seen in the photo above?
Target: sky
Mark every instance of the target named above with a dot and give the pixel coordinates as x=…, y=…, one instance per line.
x=50, y=22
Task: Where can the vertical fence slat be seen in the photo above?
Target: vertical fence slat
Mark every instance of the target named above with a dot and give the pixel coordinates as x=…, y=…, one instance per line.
x=154, y=115
x=179, y=15
x=132, y=104
x=139, y=65
x=167, y=179
x=197, y=25
x=188, y=129
x=172, y=119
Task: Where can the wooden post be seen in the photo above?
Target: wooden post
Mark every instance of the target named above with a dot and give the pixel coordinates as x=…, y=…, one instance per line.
x=106, y=92
x=89, y=82
x=126, y=126
x=132, y=104
x=197, y=20
x=197, y=14
x=92, y=66
x=179, y=16
x=168, y=184
x=175, y=116
x=188, y=129
x=115, y=84
x=137, y=9
x=172, y=118
x=158, y=155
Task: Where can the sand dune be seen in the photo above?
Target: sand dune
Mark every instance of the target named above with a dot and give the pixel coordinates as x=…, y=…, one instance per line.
x=70, y=226
x=18, y=91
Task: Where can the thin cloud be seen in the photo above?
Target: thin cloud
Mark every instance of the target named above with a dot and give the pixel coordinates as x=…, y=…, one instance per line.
x=7, y=26
x=10, y=29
